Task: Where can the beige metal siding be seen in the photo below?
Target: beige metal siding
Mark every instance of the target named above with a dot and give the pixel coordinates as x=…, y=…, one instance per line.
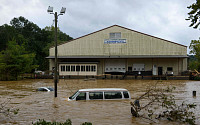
x=137, y=44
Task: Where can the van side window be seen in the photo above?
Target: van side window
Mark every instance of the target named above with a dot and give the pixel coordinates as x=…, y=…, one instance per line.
x=113, y=95
x=81, y=96
x=126, y=95
x=96, y=95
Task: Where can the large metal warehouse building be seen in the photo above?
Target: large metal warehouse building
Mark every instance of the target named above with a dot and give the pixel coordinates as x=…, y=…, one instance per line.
x=115, y=50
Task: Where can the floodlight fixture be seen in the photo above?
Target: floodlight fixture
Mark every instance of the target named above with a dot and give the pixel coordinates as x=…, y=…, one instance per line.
x=50, y=9
x=63, y=10
x=56, y=76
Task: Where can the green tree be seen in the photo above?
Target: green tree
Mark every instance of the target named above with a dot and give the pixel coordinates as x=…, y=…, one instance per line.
x=194, y=17
x=62, y=37
x=195, y=49
x=14, y=61
x=193, y=62
x=8, y=33
x=194, y=14
x=33, y=38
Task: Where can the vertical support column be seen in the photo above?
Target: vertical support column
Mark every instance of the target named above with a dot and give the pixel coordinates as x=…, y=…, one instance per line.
x=178, y=66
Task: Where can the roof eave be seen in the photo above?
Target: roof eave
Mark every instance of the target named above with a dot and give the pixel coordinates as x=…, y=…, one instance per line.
x=114, y=57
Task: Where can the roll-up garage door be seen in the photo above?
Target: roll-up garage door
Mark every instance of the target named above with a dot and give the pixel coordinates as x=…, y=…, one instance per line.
x=115, y=65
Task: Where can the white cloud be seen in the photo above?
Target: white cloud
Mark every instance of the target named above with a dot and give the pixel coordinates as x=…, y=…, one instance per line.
x=161, y=18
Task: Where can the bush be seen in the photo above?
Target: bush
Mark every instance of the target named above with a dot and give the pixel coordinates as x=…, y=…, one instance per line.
x=43, y=122
x=67, y=122
x=197, y=78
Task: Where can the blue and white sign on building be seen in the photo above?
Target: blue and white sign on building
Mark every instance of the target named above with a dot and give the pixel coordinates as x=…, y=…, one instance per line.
x=114, y=41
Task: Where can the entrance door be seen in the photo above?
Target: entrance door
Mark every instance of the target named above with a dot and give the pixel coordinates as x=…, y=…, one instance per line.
x=130, y=69
x=160, y=70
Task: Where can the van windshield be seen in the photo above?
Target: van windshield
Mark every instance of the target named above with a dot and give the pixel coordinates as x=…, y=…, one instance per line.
x=73, y=96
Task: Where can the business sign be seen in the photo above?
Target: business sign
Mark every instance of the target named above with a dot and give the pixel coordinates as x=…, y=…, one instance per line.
x=114, y=41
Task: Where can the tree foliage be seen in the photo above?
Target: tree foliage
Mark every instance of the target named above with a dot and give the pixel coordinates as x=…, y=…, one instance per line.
x=193, y=62
x=158, y=103
x=195, y=49
x=194, y=17
x=33, y=39
x=15, y=60
x=194, y=14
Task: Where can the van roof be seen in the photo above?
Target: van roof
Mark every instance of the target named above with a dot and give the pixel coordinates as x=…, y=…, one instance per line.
x=104, y=89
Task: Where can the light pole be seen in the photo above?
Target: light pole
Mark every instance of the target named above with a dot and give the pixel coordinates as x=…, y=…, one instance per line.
x=50, y=10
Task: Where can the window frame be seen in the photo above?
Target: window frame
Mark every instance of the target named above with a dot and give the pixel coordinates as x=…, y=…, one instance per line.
x=82, y=68
x=111, y=94
x=68, y=68
x=87, y=68
x=73, y=68
x=62, y=68
x=78, y=68
x=115, y=35
x=126, y=94
x=94, y=94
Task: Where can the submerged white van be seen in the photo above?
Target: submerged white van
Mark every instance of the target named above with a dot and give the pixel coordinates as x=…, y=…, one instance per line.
x=101, y=94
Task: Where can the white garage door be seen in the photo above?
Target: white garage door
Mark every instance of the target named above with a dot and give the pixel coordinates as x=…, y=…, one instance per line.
x=115, y=65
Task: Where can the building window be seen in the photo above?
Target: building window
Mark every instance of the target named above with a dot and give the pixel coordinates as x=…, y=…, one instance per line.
x=62, y=68
x=169, y=69
x=73, y=68
x=93, y=68
x=78, y=68
x=87, y=68
x=83, y=68
x=68, y=68
x=115, y=35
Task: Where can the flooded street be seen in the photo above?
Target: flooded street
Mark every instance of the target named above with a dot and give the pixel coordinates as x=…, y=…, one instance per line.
x=34, y=105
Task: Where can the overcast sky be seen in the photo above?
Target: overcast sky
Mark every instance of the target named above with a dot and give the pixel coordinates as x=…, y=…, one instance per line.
x=160, y=18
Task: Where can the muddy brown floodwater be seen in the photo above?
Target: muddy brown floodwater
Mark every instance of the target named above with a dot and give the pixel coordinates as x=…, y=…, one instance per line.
x=34, y=105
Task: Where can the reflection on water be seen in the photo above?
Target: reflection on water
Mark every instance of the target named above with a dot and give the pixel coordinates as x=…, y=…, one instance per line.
x=34, y=105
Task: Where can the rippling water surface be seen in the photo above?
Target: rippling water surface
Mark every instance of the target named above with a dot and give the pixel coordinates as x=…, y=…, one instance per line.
x=34, y=105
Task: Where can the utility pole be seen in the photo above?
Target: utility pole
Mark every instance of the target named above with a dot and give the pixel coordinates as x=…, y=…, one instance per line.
x=56, y=59
x=50, y=10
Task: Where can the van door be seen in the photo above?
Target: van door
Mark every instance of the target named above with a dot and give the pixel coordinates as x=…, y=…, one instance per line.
x=81, y=96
